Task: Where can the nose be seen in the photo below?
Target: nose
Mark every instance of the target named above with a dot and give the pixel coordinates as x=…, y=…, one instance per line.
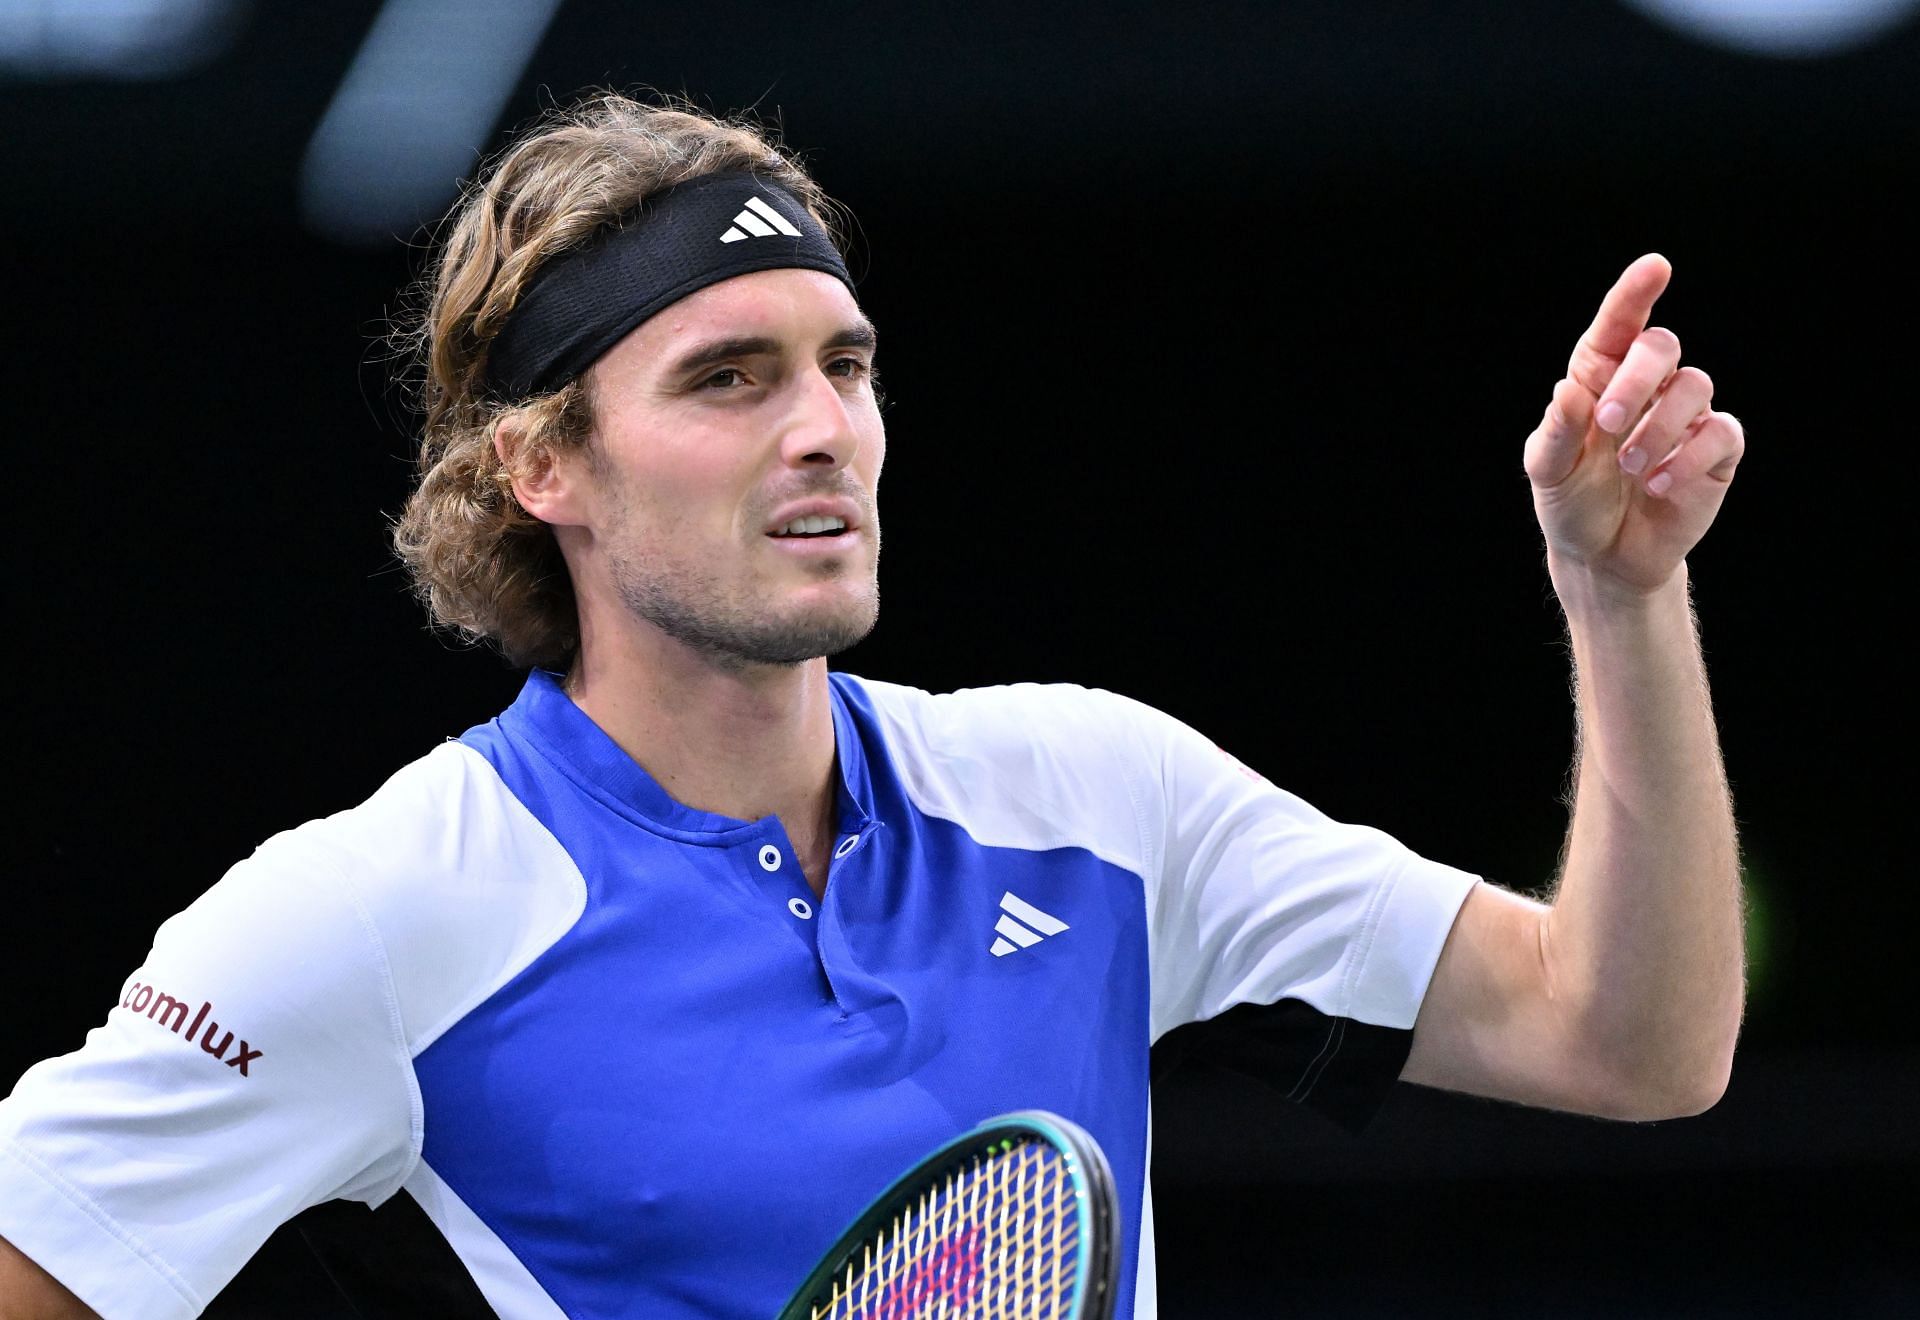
x=820, y=430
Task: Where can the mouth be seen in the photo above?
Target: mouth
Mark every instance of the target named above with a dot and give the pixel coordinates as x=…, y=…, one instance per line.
x=813, y=527
x=812, y=544
x=818, y=532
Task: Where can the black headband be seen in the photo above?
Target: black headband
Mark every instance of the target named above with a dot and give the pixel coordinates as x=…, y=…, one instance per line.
x=705, y=230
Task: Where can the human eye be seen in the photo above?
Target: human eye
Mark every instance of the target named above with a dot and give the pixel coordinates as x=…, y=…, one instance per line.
x=852, y=368
x=724, y=379
x=860, y=370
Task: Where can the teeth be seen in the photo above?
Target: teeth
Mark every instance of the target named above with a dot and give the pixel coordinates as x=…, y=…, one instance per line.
x=813, y=523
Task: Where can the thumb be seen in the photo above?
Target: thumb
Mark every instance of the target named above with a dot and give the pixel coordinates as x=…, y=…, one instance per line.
x=1553, y=450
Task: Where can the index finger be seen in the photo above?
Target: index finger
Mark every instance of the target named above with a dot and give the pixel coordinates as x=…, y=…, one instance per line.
x=1622, y=316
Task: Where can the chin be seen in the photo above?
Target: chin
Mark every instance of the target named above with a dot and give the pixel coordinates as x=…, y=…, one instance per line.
x=804, y=633
x=829, y=632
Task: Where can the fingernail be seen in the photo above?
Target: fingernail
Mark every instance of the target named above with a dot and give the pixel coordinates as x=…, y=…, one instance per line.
x=1611, y=415
x=1632, y=460
x=1657, y=484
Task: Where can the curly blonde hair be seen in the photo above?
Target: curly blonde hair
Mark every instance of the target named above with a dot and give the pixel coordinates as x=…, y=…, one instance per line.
x=482, y=565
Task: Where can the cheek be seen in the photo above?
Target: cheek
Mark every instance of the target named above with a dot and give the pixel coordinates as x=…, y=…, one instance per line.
x=689, y=486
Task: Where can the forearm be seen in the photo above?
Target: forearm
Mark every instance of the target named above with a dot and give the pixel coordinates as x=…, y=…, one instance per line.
x=1643, y=943
x=28, y=1292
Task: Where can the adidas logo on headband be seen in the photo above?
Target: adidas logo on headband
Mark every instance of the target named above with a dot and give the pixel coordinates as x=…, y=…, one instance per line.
x=760, y=221
x=584, y=299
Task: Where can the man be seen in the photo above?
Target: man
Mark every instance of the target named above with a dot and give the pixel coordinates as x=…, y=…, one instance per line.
x=698, y=934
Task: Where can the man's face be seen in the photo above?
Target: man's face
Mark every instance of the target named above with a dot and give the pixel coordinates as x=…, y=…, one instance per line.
x=718, y=423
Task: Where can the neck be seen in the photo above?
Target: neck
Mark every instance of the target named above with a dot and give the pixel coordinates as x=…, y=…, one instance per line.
x=740, y=741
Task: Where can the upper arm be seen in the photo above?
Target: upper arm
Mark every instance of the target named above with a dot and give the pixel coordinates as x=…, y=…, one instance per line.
x=28, y=1292
x=1259, y=897
x=1491, y=1023
x=250, y=1068
x=1302, y=943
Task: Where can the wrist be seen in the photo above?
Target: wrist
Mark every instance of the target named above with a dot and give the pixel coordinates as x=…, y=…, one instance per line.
x=1585, y=591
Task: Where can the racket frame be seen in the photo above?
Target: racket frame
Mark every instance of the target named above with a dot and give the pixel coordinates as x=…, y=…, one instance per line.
x=1096, y=1209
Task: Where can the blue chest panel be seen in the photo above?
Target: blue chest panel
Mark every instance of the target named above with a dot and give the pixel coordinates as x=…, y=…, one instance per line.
x=676, y=1108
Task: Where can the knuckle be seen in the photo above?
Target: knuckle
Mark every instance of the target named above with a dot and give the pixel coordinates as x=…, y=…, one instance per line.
x=1724, y=434
x=1698, y=383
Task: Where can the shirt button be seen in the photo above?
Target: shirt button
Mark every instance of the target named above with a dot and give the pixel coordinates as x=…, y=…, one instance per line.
x=800, y=908
x=846, y=846
x=769, y=857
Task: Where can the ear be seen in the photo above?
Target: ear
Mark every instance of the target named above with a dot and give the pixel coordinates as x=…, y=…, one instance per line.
x=549, y=485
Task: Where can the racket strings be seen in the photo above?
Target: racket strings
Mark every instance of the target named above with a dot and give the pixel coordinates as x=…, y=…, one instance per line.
x=997, y=1238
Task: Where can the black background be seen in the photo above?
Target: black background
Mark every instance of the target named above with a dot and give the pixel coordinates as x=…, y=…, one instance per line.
x=1212, y=335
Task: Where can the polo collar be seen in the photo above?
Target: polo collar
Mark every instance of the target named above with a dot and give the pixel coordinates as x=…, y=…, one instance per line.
x=546, y=717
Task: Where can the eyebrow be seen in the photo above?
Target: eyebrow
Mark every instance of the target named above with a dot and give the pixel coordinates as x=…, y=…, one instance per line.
x=859, y=334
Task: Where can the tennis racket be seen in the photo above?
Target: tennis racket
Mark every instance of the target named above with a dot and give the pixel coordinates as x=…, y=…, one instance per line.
x=1015, y=1220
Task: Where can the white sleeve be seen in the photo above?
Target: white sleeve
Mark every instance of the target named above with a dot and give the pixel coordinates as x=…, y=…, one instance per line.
x=1256, y=898
x=254, y=1066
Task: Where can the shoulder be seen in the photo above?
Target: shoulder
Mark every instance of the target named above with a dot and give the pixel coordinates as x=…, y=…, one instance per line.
x=1030, y=765
x=1013, y=721
x=441, y=877
x=1041, y=732
x=446, y=819
x=260, y=1056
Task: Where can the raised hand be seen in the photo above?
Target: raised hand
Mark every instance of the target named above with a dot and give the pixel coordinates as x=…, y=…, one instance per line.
x=1630, y=463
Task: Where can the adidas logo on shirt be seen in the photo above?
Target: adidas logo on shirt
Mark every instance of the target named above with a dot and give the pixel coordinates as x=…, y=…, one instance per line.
x=1014, y=911
x=758, y=220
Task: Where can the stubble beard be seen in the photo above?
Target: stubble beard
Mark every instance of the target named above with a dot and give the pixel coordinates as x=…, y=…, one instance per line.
x=692, y=606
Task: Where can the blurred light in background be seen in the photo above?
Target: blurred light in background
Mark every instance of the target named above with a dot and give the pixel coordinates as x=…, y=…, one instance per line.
x=1766, y=937
x=119, y=39
x=423, y=93
x=1790, y=28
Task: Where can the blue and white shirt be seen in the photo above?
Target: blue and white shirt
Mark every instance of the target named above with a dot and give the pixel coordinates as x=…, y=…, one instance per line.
x=628, y=1065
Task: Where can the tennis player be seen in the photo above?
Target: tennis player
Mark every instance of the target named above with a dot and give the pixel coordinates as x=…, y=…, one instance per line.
x=624, y=1002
